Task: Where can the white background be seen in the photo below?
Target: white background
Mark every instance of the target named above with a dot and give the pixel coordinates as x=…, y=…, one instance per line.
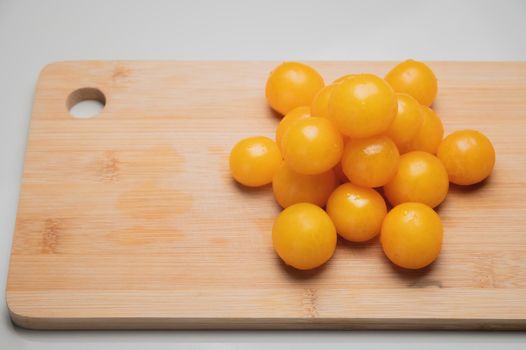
x=33, y=33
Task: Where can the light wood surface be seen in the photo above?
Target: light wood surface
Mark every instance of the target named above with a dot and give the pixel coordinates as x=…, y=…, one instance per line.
x=131, y=220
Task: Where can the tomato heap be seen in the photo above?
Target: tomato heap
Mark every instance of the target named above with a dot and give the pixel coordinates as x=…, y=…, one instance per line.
x=338, y=144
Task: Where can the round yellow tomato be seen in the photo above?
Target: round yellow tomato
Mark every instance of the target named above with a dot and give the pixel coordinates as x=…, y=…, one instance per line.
x=370, y=162
x=428, y=136
x=343, y=77
x=357, y=212
x=416, y=79
x=289, y=119
x=362, y=106
x=254, y=160
x=312, y=146
x=291, y=187
x=407, y=121
x=320, y=103
x=411, y=235
x=304, y=236
x=291, y=85
x=421, y=177
x=468, y=156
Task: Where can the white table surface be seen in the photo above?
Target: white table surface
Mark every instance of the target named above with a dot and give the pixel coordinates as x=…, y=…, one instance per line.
x=33, y=33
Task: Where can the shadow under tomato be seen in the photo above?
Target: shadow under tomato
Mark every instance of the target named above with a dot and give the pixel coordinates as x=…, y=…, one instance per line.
x=359, y=245
x=274, y=114
x=248, y=189
x=381, y=191
x=301, y=275
x=469, y=188
x=415, y=278
x=441, y=205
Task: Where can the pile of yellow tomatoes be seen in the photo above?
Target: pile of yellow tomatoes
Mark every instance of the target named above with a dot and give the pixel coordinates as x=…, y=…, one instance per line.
x=338, y=145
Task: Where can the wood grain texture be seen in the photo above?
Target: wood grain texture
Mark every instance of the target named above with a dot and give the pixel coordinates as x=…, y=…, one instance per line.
x=131, y=219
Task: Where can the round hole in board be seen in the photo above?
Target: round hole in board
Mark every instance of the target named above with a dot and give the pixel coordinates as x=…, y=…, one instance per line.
x=86, y=102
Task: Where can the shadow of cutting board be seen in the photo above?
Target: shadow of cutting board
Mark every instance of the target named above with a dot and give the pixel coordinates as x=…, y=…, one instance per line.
x=131, y=220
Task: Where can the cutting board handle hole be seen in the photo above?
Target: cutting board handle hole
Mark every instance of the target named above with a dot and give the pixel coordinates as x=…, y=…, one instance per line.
x=86, y=102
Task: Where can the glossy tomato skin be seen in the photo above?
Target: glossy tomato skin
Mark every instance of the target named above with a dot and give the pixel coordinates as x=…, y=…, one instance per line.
x=291, y=85
x=290, y=187
x=254, y=160
x=288, y=120
x=416, y=79
x=312, y=146
x=421, y=177
x=343, y=77
x=304, y=236
x=371, y=162
x=428, y=136
x=407, y=122
x=357, y=212
x=320, y=103
x=412, y=235
x=468, y=156
x=362, y=106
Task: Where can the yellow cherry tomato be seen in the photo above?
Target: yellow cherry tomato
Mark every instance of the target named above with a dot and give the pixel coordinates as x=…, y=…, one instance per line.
x=291, y=85
x=320, y=103
x=357, y=212
x=416, y=79
x=304, y=236
x=407, y=121
x=468, y=156
x=412, y=235
x=289, y=119
x=362, y=106
x=291, y=187
x=312, y=146
x=254, y=160
x=370, y=162
x=421, y=177
x=429, y=136
x=343, y=77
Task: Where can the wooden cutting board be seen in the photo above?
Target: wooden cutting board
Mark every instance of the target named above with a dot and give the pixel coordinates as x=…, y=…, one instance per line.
x=131, y=220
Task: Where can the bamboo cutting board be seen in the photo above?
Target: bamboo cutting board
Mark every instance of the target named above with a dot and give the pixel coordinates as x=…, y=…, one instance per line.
x=131, y=220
